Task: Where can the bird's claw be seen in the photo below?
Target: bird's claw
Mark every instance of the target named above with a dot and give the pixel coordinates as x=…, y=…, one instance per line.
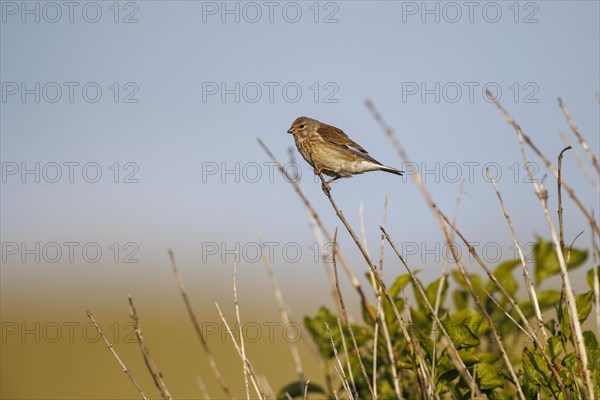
x=325, y=187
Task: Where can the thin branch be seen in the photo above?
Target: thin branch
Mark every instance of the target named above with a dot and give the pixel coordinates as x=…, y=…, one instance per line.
x=202, y=388
x=560, y=209
x=363, y=233
x=530, y=287
x=416, y=177
x=582, y=141
x=514, y=321
x=443, y=278
x=381, y=312
x=596, y=266
x=154, y=372
x=382, y=245
x=244, y=359
x=286, y=321
x=414, y=349
x=340, y=371
x=345, y=347
x=311, y=210
x=460, y=366
x=199, y=333
x=239, y=324
x=539, y=346
x=116, y=356
x=484, y=312
x=306, y=390
x=325, y=258
x=584, y=168
x=527, y=139
x=347, y=322
x=569, y=294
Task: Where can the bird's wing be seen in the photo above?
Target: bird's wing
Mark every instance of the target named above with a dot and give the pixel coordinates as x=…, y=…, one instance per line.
x=337, y=137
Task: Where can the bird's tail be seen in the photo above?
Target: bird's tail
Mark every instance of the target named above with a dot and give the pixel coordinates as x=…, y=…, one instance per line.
x=391, y=170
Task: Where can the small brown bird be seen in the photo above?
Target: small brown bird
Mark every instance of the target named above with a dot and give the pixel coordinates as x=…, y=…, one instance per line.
x=330, y=151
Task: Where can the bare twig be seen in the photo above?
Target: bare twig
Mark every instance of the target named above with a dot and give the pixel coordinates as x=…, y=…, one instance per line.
x=202, y=389
x=416, y=178
x=560, y=209
x=582, y=141
x=460, y=366
x=525, y=138
x=114, y=353
x=382, y=244
x=363, y=233
x=199, y=333
x=443, y=278
x=286, y=320
x=154, y=372
x=245, y=361
x=596, y=286
x=414, y=349
x=340, y=370
x=347, y=322
x=569, y=294
x=325, y=258
x=539, y=346
x=266, y=387
x=345, y=347
x=313, y=213
x=239, y=324
x=530, y=287
x=306, y=390
x=583, y=166
x=514, y=321
x=381, y=312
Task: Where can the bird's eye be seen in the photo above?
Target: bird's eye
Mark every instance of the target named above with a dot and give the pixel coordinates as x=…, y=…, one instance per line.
x=302, y=126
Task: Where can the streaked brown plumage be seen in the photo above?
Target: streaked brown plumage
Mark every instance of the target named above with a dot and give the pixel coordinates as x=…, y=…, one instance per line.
x=330, y=151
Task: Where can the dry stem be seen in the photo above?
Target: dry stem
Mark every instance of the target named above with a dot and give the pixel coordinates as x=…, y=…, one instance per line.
x=199, y=333
x=114, y=353
x=154, y=372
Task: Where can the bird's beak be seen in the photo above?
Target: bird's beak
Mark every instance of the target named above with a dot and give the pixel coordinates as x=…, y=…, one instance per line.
x=291, y=130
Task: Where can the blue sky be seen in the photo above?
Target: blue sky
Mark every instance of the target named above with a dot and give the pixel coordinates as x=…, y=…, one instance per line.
x=163, y=123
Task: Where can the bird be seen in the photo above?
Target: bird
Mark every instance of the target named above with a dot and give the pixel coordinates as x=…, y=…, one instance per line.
x=331, y=152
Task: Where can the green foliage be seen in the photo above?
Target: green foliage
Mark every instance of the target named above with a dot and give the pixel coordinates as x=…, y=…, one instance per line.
x=590, y=276
x=546, y=259
x=294, y=390
x=470, y=334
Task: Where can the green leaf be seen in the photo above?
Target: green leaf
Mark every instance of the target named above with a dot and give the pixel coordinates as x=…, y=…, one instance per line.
x=554, y=347
x=318, y=330
x=461, y=335
x=591, y=343
x=565, y=323
x=367, y=311
x=584, y=302
x=475, y=281
x=399, y=284
x=477, y=324
x=589, y=276
x=570, y=361
x=431, y=293
x=548, y=298
x=546, y=259
x=535, y=368
x=461, y=299
x=294, y=390
x=503, y=274
x=468, y=357
x=489, y=376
